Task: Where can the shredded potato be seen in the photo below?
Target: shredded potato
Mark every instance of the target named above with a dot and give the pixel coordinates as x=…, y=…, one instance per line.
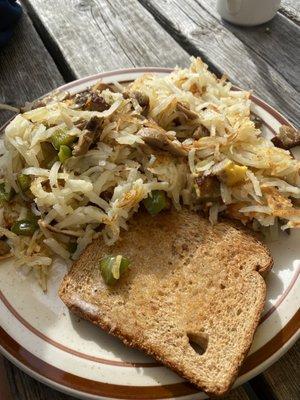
x=204, y=138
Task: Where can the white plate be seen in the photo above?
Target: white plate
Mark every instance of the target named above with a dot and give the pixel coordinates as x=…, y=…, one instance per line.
x=40, y=336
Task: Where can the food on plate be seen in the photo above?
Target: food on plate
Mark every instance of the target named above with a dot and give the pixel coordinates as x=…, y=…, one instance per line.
x=187, y=282
x=112, y=268
x=287, y=137
x=76, y=167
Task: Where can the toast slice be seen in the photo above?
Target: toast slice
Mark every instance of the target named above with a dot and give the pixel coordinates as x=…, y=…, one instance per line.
x=189, y=282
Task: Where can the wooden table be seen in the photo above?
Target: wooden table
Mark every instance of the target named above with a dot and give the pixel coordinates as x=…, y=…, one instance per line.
x=52, y=45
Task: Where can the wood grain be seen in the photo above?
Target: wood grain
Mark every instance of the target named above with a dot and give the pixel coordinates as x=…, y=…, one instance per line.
x=291, y=9
x=284, y=376
x=98, y=35
x=23, y=387
x=90, y=36
x=27, y=70
x=191, y=23
x=4, y=384
x=277, y=42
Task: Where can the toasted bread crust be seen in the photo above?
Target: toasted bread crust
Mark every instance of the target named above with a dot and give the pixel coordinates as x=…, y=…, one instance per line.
x=152, y=325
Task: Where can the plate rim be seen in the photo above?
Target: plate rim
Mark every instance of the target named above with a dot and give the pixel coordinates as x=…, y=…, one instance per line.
x=294, y=321
x=25, y=360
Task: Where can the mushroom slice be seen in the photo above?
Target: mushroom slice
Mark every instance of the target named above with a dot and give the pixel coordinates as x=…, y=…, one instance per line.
x=159, y=139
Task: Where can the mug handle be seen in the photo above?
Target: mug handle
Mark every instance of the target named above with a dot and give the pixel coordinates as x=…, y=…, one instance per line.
x=233, y=6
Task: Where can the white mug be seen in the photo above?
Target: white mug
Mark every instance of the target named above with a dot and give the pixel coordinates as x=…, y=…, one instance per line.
x=248, y=12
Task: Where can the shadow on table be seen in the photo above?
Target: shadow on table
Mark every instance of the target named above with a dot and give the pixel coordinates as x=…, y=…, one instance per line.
x=276, y=91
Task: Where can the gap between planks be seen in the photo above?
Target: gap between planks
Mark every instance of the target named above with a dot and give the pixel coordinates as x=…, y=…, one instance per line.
x=101, y=35
x=40, y=63
x=27, y=69
x=291, y=9
x=278, y=45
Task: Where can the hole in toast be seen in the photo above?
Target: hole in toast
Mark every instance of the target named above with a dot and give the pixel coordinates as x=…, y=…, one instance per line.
x=222, y=286
x=198, y=342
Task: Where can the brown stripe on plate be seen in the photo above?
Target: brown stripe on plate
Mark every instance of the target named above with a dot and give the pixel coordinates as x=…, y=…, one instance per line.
x=264, y=123
x=109, y=74
x=273, y=345
x=280, y=118
x=89, y=387
x=66, y=349
x=256, y=100
x=280, y=300
x=115, y=362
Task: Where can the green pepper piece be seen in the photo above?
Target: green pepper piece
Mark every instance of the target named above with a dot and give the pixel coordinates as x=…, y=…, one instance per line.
x=112, y=268
x=24, y=182
x=72, y=246
x=156, y=202
x=6, y=192
x=64, y=153
x=61, y=137
x=25, y=227
x=49, y=155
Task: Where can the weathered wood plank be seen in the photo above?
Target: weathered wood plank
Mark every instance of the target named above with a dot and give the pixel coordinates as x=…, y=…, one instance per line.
x=284, y=376
x=4, y=384
x=99, y=35
x=189, y=22
x=291, y=9
x=27, y=71
x=23, y=387
x=33, y=85
x=237, y=394
x=277, y=42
